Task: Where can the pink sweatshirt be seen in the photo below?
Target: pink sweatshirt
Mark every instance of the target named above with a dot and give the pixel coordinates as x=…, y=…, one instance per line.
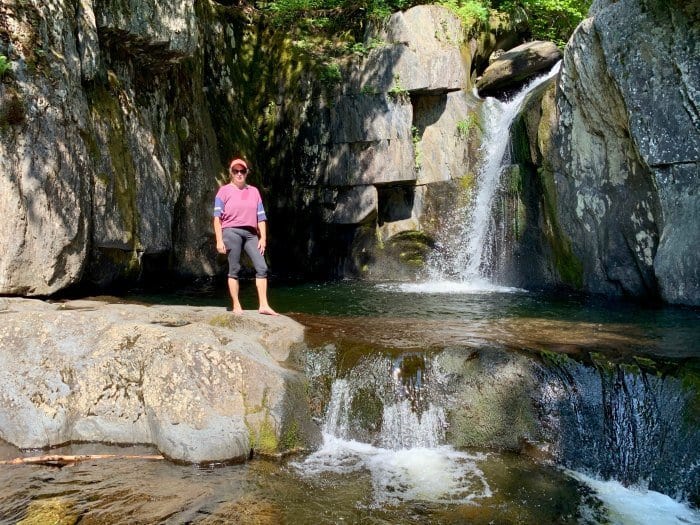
x=238, y=208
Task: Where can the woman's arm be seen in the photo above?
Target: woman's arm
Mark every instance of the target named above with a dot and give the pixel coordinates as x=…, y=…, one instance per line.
x=262, y=236
x=220, y=247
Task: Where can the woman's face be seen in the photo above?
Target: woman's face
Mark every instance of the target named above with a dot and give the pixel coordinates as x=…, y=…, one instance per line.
x=238, y=174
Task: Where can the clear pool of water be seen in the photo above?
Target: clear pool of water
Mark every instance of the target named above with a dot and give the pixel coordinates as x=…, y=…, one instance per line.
x=352, y=482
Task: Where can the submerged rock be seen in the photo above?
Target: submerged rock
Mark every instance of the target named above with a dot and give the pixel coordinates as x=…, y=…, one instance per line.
x=198, y=383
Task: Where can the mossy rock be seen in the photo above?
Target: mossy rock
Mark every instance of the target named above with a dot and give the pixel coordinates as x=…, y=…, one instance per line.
x=366, y=411
x=56, y=511
x=411, y=247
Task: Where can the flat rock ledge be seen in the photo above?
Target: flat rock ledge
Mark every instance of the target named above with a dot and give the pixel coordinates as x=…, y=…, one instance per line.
x=198, y=383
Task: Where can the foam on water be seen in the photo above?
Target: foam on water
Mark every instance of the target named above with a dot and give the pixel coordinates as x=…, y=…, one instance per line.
x=630, y=506
x=472, y=286
x=439, y=474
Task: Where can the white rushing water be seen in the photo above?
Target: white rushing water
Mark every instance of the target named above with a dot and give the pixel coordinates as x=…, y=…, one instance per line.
x=440, y=474
x=473, y=286
x=636, y=506
x=464, y=264
x=409, y=463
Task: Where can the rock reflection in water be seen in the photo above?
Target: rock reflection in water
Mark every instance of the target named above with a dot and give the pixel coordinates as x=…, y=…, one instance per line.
x=522, y=333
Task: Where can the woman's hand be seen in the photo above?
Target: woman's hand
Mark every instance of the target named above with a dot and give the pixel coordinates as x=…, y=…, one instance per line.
x=221, y=247
x=262, y=243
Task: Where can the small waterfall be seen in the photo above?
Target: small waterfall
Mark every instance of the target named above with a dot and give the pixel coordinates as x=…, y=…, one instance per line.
x=337, y=413
x=386, y=417
x=404, y=451
x=409, y=418
x=619, y=422
x=468, y=256
x=402, y=428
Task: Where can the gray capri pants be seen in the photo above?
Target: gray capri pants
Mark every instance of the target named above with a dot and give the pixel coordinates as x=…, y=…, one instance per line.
x=234, y=240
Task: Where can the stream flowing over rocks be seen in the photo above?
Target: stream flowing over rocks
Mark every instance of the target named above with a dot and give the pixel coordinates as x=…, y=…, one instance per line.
x=198, y=383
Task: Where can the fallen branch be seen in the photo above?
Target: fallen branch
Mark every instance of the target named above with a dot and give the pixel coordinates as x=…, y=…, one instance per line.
x=62, y=460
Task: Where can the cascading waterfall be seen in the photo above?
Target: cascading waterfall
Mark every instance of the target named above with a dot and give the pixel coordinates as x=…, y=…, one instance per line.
x=467, y=256
x=386, y=418
x=406, y=458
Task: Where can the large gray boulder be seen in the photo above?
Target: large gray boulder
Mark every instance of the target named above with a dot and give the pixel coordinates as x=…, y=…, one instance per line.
x=149, y=29
x=198, y=383
x=45, y=164
x=420, y=52
x=99, y=143
x=513, y=68
x=627, y=150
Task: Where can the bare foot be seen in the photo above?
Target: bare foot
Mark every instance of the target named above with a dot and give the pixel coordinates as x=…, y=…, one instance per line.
x=237, y=311
x=267, y=311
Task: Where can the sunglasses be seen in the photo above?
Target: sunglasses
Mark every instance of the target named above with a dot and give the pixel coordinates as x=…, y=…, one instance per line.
x=242, y=172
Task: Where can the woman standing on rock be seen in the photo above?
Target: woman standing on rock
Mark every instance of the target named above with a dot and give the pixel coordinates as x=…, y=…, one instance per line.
x=240, y=223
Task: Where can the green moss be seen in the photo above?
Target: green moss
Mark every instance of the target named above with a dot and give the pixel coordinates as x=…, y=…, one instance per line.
x=291, y=438
x=266, y=68
x=263, y=440
x=329, y=74
x=366, y=410
x=417, y=150
x=5, y=66
x=467, y=126
x=602, y=362
x=222, y=321
x=514, y=180
x=568, y=266
x=410, y=247
x=520, y=141
x=648, y=365
x=553, y=358
x=690, y=380
x=54, y=510
x=93, y=150
x=499, y=418
x=121, y=181
x=397, y=90
x=467, y=183
x=123, y=264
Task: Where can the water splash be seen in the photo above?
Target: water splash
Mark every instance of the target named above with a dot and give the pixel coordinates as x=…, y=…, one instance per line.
x=467, y=257
x=637, y=506
x=408, y=461
x=477, y=286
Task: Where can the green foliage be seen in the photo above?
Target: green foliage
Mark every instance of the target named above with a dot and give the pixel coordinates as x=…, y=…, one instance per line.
x=466, y=125
x=284, y=12
x=360, y=48
x=469, y=11
x=330, y=74
x=553, y=20
x=4, y=66
x=397, y=90
x=337, y=13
